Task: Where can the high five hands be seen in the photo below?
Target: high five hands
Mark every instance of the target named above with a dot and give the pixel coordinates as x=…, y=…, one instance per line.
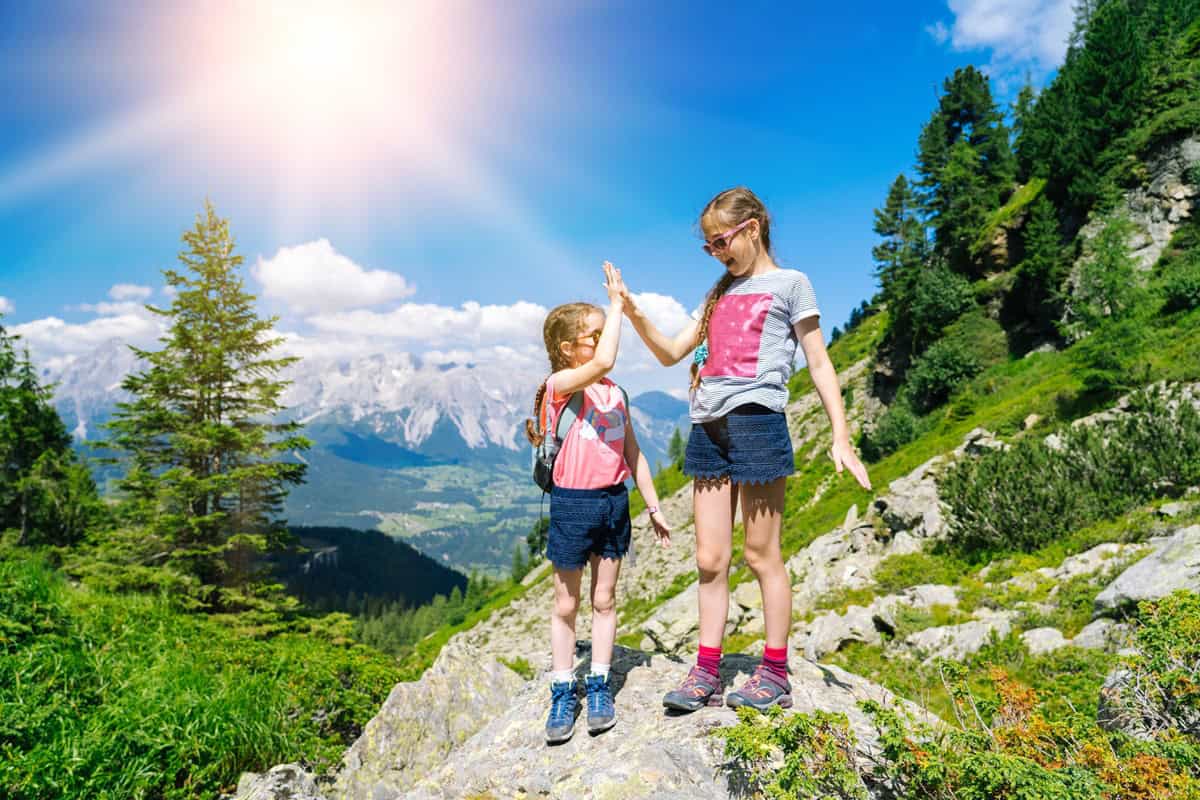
x=618, y=292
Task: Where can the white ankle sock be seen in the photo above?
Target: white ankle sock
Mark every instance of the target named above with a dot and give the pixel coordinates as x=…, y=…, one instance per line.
x=562, y=676
x=600, y=669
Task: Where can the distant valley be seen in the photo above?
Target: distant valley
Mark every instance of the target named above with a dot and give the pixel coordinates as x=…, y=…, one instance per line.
x=433, y=454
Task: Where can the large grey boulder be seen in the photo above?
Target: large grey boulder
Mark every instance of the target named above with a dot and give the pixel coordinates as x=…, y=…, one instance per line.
x=912, y=503
x=956, y=642
x=1102, y=634
x=422, y=721
x=284, y=782
x=830, y=631
x=1174, y=563
x=1043, y=640
x=649, y=754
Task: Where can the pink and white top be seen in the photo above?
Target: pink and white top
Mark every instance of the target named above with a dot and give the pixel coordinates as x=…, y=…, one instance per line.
x=593, y=450
x=752, y=343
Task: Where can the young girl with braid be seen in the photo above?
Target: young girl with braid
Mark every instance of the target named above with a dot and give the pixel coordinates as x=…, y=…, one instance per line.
x=745, y=337
x=589, y=506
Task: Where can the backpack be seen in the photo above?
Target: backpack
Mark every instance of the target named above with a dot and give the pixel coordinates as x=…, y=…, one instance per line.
x=545, y=453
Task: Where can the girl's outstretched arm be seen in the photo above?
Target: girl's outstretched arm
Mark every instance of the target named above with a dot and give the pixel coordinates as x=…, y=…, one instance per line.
x=573, y=379
x=825, y=379
x=636, y=460
x=666, y=349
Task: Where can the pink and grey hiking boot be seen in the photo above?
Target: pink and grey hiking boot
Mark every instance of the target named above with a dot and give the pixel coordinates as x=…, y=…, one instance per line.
x=699, y=689
x=763, y=690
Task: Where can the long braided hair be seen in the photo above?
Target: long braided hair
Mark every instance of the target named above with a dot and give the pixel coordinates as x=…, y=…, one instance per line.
x=728, y=209
x=563, y=324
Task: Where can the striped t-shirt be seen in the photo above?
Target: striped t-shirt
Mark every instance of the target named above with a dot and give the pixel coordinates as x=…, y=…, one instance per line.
x=751, y=343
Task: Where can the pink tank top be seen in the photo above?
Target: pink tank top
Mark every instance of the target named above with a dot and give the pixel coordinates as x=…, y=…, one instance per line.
x=593, y=450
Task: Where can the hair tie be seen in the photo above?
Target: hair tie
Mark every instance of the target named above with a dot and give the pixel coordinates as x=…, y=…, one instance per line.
x=701, y=354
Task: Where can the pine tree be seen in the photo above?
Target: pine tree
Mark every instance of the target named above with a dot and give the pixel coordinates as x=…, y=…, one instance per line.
x=205, y=473
x=965, y=162
x=898, y=257
x=35, y=454
x=1042, y=265
x=676, y=448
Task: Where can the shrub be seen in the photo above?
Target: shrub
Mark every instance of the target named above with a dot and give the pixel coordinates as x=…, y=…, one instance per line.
x=898, y=572
x=109, y=697
x=1106, y=285
x=1161, y=692
x=1182, y=287
x=939, y=298
x=942, y=368
x=895, y=428
x=793, y=756
x=1093, y=472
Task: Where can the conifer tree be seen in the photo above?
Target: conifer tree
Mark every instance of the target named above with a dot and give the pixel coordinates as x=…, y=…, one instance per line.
x=676, y=448
x=965, y=162
x=38, y=474
x=201, y=430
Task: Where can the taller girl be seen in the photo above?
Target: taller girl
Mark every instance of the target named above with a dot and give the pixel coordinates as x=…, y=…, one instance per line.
x=744, y=337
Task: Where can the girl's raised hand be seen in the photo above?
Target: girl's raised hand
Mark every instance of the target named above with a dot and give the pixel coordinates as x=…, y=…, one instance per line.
x=661, y=529
x=613, y=282
x=843, y=455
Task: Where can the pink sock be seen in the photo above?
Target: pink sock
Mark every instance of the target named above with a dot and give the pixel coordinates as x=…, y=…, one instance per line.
x=709, y=660
x=775, y=660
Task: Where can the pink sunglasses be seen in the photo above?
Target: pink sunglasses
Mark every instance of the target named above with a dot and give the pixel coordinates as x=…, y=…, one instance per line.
x=718, y=244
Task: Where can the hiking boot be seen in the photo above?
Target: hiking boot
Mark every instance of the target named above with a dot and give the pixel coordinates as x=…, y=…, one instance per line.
x=763, y=690
x=564, y=707
x=699, y=689
x=601, y=713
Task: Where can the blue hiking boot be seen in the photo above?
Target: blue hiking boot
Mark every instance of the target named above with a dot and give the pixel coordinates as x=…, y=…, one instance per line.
x=564, y=708
x=601, y=713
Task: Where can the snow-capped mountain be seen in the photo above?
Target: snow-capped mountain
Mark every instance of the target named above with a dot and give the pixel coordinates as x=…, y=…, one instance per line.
x=435, y=412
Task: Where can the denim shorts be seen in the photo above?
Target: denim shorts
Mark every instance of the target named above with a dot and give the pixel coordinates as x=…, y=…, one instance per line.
x=587, y=521
x=750, y=444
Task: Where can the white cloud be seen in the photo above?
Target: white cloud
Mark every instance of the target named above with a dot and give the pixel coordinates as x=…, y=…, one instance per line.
x=1022, y=34
x=107, y=309
x=938, y=31
x=51, y=337
x=667, y=313
x=6, y=305
x=129, y=291
x=315, y=277
x=441, y=327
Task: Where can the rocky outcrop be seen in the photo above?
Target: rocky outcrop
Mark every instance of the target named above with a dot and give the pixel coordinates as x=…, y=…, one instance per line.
x=1158, y=206
x=649, y=754
x=829, y=632
x=955, y=642
x=284, y=782
x=421, y=722
x=912, y=503
x=1174, y=563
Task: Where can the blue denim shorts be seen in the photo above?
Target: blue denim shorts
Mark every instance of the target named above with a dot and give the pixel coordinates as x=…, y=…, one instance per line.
x=750, y=444
x=587, y=521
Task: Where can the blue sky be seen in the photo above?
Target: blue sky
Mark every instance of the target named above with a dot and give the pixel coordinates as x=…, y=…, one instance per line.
x=451, y=163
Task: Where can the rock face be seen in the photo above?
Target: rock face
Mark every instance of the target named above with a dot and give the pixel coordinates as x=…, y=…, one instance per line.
x=647, y=755
x=1173, y=564
x=912, y=503
x=421, y=722
x=1158, y=207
